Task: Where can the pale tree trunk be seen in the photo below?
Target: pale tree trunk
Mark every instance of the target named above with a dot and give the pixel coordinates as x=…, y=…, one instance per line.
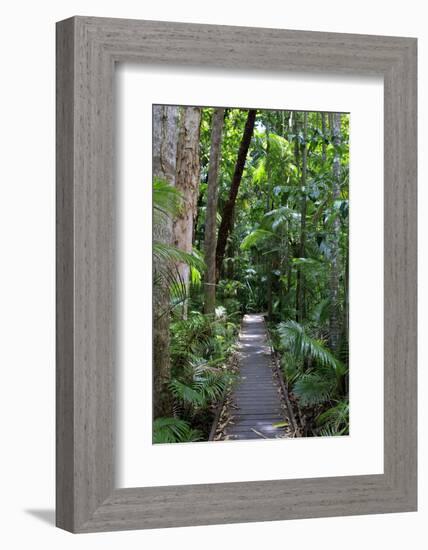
x=226, y=225
x=335, y=250
x=187, y=182
x=210, y=239
x=165, y=126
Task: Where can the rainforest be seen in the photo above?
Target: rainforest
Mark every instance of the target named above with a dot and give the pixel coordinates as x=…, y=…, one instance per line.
x=250, y=274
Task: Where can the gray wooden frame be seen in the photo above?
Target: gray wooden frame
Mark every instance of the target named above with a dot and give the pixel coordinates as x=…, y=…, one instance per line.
x=87, y=50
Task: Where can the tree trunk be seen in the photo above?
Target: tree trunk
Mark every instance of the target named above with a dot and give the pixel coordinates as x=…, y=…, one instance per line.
x=210, y=239
x=187, y=182
x=335, y=251
x=227, y=218
x=268, y=256
x=300, y=288
x=345, y=320
x=295, y=128
x=164, y=161
x=324, y=132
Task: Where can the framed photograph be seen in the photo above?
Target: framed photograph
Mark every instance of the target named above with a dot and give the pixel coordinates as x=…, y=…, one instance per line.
x=236, y=274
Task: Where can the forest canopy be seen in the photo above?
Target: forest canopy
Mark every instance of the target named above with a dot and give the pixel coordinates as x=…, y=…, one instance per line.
x=251, y=216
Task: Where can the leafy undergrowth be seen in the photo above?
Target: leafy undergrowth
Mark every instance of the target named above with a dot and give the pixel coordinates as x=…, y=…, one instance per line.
x=316, y=377
x=201, y=347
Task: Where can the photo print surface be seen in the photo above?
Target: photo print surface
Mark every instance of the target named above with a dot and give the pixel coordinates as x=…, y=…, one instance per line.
x=250, y=274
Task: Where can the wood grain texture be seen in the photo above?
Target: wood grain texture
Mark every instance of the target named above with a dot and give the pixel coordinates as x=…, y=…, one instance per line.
x=87, y=49
x=255, y=403
x=64, y=277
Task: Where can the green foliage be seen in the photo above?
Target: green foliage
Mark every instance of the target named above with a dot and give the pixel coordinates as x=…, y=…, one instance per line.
x=174, y=430
x=275, y=248
x=321, y=312
x=200, y=346
x=255, y=237
x=168, y=276
x=166, y=198
x=291, y=366
x=200, y=339
x=167, y=202
x=317, y=384
x=313, y=388
x=335, y=419
x=297, y=341
x=168, y=253
x=203, y=385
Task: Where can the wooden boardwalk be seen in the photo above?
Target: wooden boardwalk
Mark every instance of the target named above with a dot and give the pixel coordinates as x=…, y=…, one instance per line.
x=255, y=405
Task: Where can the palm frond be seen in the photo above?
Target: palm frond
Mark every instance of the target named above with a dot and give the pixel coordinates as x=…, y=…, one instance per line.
x=174, y=430
x=322, y=311
x=166, y=198
x=294, y=338
x=328, y=431
x=290, y=366
x=166, y=273
x=206, y=385
x=186, y=393
x=313, y=389
x=168, y=253
x=256, y=237
x=336, y=418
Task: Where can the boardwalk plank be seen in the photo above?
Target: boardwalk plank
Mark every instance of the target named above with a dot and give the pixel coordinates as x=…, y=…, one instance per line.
x=256, y=395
